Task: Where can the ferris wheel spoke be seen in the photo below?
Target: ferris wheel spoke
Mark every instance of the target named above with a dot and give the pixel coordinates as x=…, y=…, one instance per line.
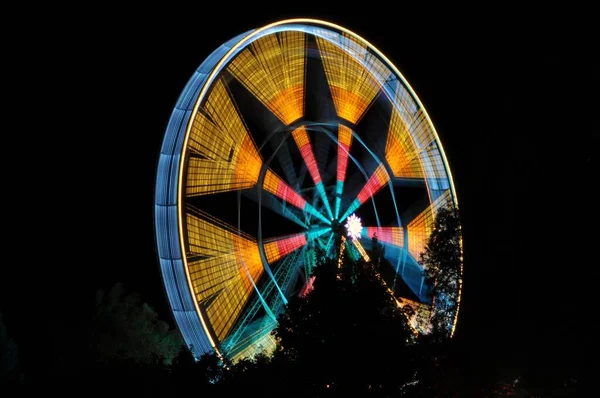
x=389, y=235
x=303, y=142
x=378, y=180
x=223, y=156
x=273, y=69
x=288, y=212
x=344, y=144
x=277, y=248
x=276, y=186
x=284, y=157
x=223, y=266
x=407, y=135
x=354, y=84
x=269, y=299
x=412, y=151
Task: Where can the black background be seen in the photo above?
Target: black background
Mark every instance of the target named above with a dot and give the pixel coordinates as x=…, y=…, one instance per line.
x=513, y=96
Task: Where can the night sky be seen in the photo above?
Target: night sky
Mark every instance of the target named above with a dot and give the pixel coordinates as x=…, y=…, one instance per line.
x=514, y=100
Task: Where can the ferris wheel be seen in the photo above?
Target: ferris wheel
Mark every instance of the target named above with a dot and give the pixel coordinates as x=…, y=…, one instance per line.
x=283, y=136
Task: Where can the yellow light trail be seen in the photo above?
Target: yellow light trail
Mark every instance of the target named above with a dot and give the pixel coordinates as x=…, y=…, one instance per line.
x=223, y=154
x=344, y=144
x=361, y=250
x=272, y=68
x=401, y=152
x=221, y=263
x=421, y=226
x=353, y=85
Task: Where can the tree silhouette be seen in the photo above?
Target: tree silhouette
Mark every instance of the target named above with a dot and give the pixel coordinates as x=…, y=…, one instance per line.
x=9, y=354
x=347, y=336
x=125, y=329
x=442, y=260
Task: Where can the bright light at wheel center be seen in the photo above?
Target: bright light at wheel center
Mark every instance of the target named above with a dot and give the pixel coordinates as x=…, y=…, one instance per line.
x=353, y=226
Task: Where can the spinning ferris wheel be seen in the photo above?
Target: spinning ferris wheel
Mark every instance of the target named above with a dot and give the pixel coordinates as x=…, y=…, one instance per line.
x=291, y=127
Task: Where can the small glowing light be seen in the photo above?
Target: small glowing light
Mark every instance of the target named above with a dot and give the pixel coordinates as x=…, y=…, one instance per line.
x=354, y=226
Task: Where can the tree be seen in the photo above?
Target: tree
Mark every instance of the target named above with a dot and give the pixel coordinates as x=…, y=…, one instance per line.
x=347, y=336
x=442, y=261
x=9, y=353
x=125, y=329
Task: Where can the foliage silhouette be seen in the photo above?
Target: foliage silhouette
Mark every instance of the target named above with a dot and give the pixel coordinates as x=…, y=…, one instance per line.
x=9, y=355
x=126, y=329
x=442, y=260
